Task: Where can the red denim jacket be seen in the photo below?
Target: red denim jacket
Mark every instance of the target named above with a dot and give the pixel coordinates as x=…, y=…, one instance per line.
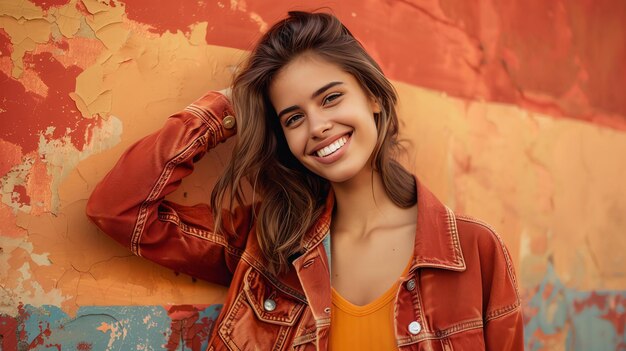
x=460, y=292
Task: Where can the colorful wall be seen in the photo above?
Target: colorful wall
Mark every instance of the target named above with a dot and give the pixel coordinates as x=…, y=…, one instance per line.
x=514, y=110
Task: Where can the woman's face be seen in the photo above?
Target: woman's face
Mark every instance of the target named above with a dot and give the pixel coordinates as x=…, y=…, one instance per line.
x=327, y=118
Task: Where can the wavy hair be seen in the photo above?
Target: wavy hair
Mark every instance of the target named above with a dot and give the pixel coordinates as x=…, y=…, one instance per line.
x=292, y=196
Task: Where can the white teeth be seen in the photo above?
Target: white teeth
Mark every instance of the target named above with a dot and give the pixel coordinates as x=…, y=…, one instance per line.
x=330, y=149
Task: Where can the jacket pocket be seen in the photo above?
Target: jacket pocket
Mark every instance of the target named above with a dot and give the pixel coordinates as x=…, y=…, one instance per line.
x=470, y=339
x=261, y=317
x=473, y=339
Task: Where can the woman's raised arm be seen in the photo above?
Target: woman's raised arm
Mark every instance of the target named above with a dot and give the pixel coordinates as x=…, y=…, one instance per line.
x=128, y=204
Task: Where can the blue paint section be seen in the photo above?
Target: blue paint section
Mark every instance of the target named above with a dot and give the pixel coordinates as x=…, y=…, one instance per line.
x=557, y=316
x=113, y=328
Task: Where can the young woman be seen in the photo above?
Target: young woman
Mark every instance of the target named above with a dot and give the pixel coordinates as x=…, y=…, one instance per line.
x=341, y=248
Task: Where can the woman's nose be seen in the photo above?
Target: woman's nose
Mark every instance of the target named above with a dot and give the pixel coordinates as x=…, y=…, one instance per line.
x=320, y=126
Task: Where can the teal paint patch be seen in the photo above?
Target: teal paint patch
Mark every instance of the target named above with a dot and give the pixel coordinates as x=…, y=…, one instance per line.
x=113, y=328
x=585, y=320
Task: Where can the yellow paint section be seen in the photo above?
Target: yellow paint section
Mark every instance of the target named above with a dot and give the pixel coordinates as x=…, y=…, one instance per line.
x=68, y=19
x=552, y=187
x=25, y=24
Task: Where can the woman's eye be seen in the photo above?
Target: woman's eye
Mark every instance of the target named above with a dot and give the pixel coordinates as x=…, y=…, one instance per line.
x=292, y=119
x=331, y=97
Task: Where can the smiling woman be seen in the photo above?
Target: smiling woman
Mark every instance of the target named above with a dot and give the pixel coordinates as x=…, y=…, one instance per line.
x=329, y=124
x=346, y=250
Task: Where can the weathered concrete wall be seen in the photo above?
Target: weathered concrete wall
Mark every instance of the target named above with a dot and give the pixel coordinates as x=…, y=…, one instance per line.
x=514, y=110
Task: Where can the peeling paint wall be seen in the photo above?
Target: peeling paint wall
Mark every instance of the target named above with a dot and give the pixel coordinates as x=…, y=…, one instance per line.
x=513, y=110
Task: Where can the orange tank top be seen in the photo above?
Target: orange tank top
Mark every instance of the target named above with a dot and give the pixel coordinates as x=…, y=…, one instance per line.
x=368, y=327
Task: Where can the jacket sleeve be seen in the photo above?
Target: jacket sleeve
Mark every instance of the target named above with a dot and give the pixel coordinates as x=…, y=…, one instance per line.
x=504, y=327
x=128, y=204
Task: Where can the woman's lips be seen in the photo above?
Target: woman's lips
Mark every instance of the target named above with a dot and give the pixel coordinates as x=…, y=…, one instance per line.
x=333, y=151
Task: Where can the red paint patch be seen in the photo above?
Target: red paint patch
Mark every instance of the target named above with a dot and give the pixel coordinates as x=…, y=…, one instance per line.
x=547, y=291
x=6, y=48
x=594, y=299
x=8, y=333
x=618, y=320
x=83, y=9
x=22, y=315
x=187, y=327
x=62, y=44
x=170, y=15
x=21, y=195
x=47, y=4
x=84, y=346
x=26, y=115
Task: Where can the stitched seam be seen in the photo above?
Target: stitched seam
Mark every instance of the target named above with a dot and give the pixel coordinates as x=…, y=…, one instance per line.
x=417, y=301
x=459, y=327
x=201, y=234
x=157, y=189
x=280, y=340
x=322, y=322
x=501, y=312
x=509, y=264
x=289, y=320
x=454, y=233
x=207, y=117
x=321, y=228
x=275, y=282
x=262, y=315
x=303, y=339
x=225, y=328
x=423, y=335
x=193, y=109
x=416, y=298
x=194, y=231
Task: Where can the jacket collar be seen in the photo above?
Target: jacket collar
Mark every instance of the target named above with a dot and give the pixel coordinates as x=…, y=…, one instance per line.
x=437, y=242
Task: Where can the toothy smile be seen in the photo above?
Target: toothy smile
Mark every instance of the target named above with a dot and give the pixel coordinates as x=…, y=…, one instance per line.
x=332, y=148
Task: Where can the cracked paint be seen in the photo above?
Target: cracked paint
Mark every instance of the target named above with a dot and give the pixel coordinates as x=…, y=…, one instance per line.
x=522, y=133
x=476, y=50
x=109, y=328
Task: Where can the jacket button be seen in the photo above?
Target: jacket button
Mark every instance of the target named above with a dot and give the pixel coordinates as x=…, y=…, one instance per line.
x=229, y=122
x=415, y=327
x=410, y=285
x=269, y=305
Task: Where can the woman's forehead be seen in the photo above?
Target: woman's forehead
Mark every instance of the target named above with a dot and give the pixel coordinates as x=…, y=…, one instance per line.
x=303, y=76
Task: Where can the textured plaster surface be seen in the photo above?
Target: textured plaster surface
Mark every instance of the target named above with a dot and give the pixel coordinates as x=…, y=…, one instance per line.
x=514, y=119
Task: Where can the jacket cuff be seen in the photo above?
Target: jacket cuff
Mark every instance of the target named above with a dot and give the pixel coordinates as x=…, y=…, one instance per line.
x=217, y=113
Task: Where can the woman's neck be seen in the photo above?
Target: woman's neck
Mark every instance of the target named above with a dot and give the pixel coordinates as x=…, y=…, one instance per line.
x=362, y=204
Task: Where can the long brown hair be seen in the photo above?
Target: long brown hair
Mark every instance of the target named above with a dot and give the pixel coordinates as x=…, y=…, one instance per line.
x=292, y=196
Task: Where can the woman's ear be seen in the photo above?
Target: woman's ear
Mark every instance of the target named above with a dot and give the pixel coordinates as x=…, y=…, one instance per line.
x=374, y=104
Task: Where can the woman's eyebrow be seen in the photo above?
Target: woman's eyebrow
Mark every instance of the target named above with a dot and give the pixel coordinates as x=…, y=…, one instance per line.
x=324, y=88
x=313, y=96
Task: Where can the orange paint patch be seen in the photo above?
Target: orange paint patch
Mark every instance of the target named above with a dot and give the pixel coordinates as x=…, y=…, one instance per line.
x=539, y=244
x=32, y=83
x=38, y=186
x=11, y=156
x=104, y=327
x=79, y=51
x=9, y=227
